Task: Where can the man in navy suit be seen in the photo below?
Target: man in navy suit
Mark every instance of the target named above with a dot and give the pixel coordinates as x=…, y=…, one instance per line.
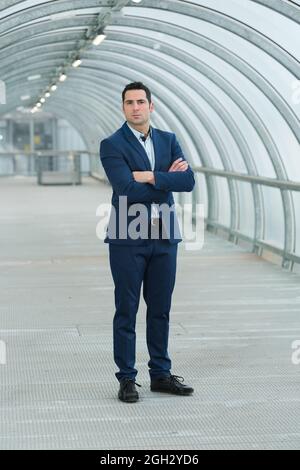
x=144, y=165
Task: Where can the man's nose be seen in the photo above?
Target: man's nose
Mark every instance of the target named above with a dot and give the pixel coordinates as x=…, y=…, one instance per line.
x=135, y=105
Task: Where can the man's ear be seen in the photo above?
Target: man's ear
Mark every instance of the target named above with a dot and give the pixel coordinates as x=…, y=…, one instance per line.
x=151, y=107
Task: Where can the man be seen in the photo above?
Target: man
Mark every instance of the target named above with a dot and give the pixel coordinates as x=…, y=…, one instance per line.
x=144, y=165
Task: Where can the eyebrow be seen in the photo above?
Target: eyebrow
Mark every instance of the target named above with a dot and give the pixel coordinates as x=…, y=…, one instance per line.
x=130, y=101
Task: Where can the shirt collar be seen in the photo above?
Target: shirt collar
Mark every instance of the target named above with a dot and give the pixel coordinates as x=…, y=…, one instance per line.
x=139, y=134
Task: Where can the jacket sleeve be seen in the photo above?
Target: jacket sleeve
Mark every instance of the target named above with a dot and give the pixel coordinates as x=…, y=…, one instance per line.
x=120, y=177
x=177, y=181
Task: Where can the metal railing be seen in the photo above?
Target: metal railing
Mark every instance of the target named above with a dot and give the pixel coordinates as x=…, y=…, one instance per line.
x=37, y=163
x=275, y=183
x=258, y=245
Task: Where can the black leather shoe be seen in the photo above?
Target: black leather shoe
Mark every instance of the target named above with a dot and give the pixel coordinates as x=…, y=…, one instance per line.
x=171, y=384
x=127, y=391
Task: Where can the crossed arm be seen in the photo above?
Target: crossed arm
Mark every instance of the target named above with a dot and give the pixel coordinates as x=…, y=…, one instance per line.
x=148, y=176
x=179, y=176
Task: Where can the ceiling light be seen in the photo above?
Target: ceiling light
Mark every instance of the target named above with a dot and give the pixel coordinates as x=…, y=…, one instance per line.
x=76, y=62
x=62, y=77
x=98, y=39
x=33, y=77
x=53, y=87
x=25, y=97
x=47, y=94
x=39, y=105
x=42, y=100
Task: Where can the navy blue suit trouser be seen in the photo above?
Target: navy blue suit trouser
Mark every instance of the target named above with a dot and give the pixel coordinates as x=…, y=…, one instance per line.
x=154, y=265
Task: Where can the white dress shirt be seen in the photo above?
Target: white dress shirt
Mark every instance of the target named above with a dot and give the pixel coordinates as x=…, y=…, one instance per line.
x=149, y=149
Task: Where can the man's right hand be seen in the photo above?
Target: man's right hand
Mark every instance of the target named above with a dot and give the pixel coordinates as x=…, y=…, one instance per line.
x=179, y=165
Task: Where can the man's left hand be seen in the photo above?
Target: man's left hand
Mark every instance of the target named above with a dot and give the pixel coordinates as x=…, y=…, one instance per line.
x=143, y=176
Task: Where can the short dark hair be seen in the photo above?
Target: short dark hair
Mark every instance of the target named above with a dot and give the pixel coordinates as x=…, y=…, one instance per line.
x=137, y=86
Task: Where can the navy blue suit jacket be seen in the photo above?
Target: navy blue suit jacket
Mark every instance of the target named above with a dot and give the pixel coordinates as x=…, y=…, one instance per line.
x=121, y=154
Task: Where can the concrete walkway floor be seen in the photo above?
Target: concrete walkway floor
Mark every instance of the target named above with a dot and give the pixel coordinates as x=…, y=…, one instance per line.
x=234, y=319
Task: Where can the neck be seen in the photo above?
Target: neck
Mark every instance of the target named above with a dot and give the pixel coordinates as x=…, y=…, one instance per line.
x=143, y=128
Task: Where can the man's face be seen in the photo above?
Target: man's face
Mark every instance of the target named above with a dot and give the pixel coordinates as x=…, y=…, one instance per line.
x=137, y=108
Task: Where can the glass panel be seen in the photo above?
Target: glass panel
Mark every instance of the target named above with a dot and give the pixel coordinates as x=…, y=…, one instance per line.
x=200, y=191
x=6, y=162
x=3, y=134
x=296, y=199
x=21, y=136
x=223, y=201
x=246, y=208
x=274, y=217
x=43, y=139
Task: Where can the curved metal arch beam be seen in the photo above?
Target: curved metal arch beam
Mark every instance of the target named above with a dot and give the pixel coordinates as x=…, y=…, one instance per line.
x=89, y=104
x=287, y=9
x=8, y=3
x=11, y=76
x=64, y=37
x=15, y=37
x=32, y=56
x=219, y=50
x=60, y=93
x=232, y=24
x=38, y=12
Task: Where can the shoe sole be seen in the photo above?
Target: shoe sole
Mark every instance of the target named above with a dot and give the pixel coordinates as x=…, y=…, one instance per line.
x=172, y=393
x=129, y=400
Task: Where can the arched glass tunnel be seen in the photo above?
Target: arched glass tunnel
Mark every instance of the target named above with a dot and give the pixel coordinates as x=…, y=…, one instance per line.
x=224, y=77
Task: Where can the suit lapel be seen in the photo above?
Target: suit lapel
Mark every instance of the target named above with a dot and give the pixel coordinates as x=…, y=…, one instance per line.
x=156, y=148
x=130, y=137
